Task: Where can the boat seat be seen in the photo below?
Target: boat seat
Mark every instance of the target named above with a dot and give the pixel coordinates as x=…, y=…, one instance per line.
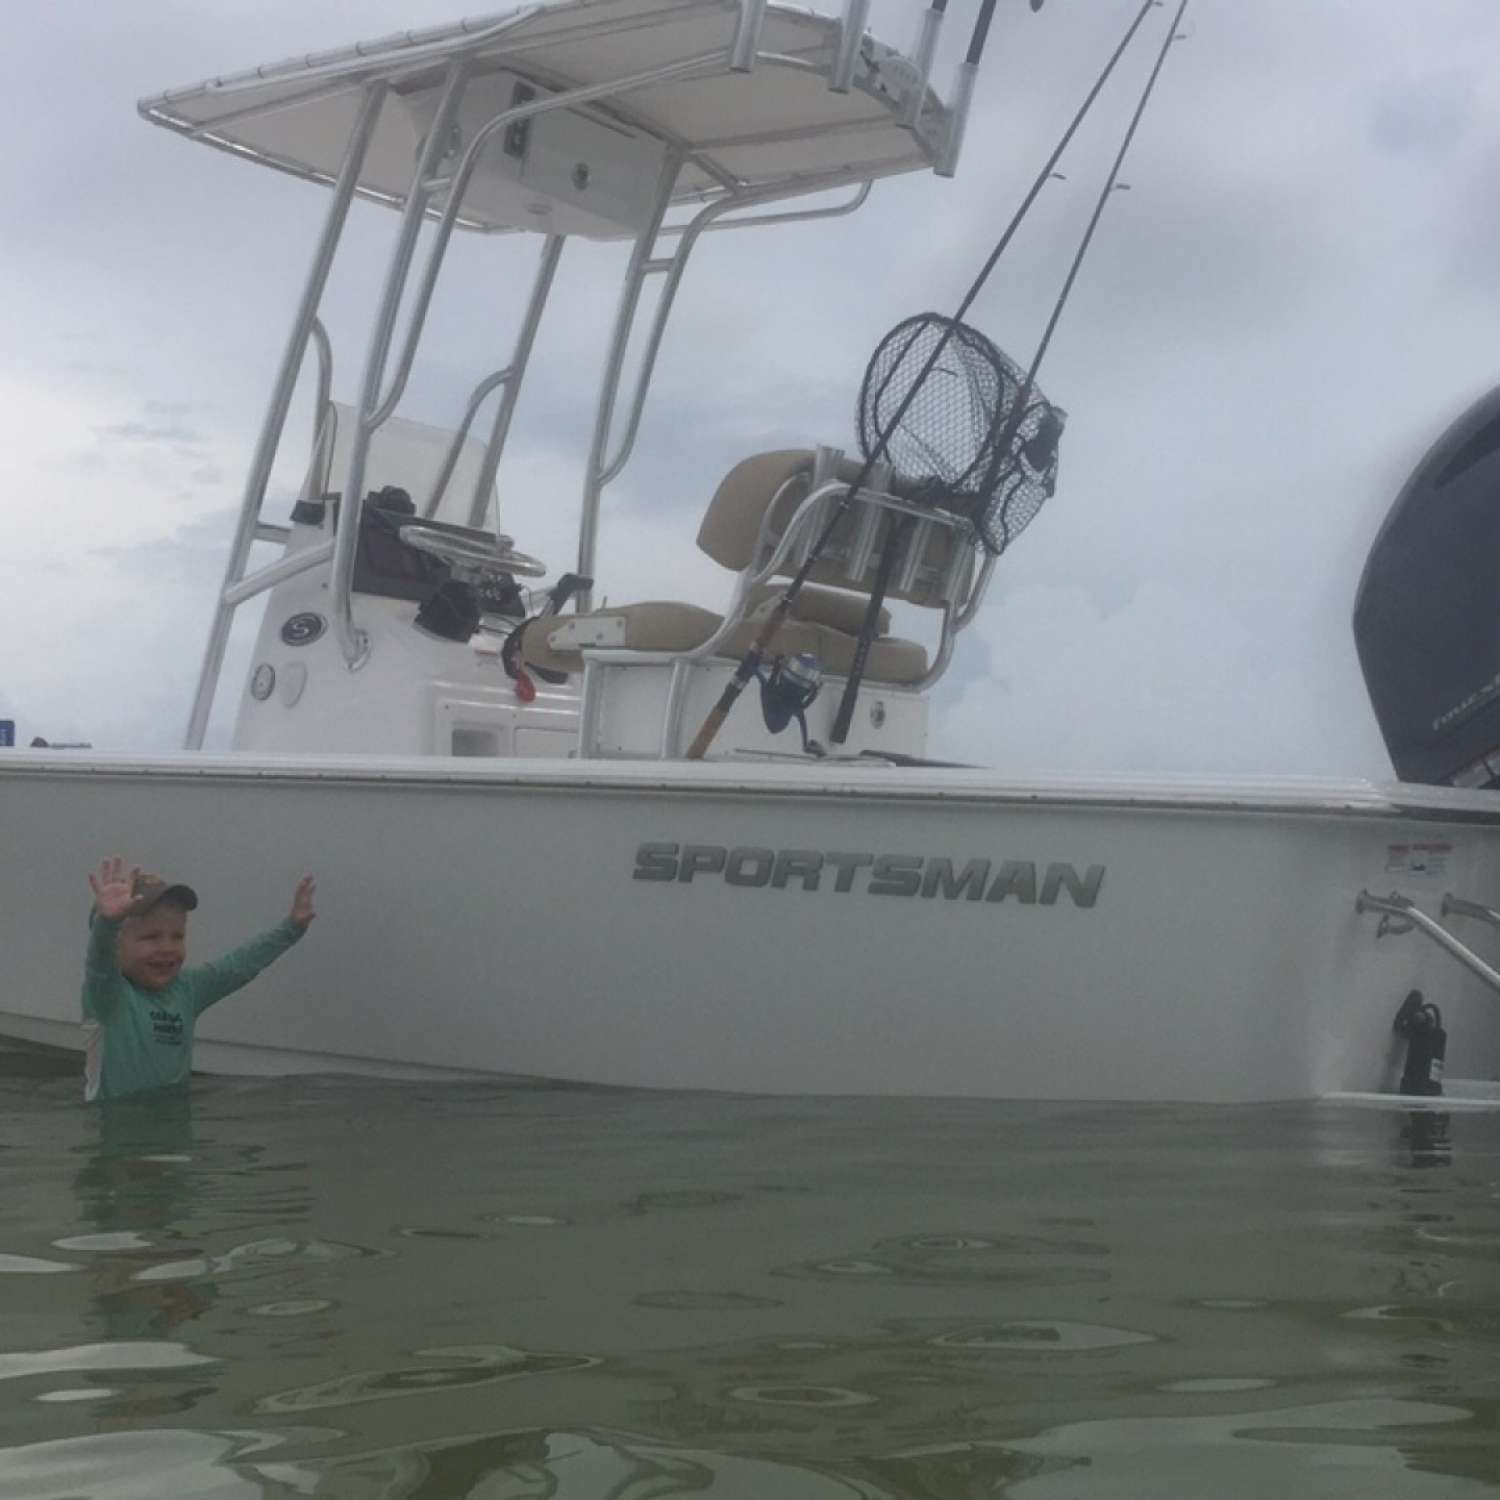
x=831, y=607
x=741, y=530
x=758, y=497
x=556, y=642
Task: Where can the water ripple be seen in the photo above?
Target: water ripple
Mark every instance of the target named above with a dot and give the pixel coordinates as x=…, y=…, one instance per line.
x=256, y=1253
x=696, y=1301
x=29, y=1265
x=147, y=1354
x=965, y=1258
x=118, y=1240
x=474, y=1365
x=679, y=1198
x=133, y=1466
x=1036, y=1336
x=818, y=1396
x=1214, y=1387
x=300, y=1307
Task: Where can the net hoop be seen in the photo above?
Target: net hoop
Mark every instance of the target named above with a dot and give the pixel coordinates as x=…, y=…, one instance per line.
x=953, y=430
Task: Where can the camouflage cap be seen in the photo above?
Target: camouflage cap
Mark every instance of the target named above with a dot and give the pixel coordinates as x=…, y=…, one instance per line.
x=152, y=890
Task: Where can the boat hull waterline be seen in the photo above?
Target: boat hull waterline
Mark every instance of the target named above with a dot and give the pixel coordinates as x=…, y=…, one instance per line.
x=766, y=929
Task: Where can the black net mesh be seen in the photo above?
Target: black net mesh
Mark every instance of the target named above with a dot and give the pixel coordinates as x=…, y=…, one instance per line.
x=961, y=444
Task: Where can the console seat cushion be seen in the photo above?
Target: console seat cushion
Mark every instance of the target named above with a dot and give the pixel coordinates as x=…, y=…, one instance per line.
x=556, y=642
x=832, y=607
x=732, y=525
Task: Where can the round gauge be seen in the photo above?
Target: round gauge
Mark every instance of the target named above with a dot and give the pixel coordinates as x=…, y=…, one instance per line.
x=303, y=629
x=262, y=682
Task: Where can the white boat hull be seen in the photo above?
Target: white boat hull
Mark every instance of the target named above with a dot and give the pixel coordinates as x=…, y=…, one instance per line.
x=492, y=919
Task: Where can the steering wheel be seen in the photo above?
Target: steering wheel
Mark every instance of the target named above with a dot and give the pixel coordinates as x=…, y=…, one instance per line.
x=475, y=551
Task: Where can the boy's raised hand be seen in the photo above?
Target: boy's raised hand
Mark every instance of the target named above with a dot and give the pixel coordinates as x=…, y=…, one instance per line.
x=302, y=912
x=114, y=890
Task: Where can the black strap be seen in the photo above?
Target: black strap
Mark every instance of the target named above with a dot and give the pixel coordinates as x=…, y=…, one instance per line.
x=557, y=598
x=510, y=656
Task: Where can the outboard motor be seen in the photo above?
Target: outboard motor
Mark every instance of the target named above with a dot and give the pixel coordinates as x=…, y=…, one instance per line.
x=1425, y=620
x=1420, y=1025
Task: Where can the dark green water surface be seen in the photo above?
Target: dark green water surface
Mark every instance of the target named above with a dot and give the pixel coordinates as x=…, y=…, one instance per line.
x=332, y=1287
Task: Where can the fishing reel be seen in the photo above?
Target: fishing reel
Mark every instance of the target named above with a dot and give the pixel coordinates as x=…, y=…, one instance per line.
x=787, y=691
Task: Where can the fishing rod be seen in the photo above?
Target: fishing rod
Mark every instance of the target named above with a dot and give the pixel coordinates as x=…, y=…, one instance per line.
x=1111, y=182
x=1020, y=408
x=749, y=666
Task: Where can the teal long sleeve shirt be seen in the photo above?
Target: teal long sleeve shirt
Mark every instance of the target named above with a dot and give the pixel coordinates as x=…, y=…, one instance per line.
x=143, y=1039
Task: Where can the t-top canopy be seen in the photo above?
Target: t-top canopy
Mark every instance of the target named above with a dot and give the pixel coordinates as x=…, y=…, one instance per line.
x=737, y=132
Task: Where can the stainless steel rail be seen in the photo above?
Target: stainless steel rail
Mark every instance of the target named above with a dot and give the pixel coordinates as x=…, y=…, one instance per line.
x=389, y=358
x=374, y=408
x=851, y=34
x=371, y=410
x=747, y=32
x=795, y=540
x=704, y=221
x=1397, y=905
x=552, y=248
x=595, y=466
x=1456, y=906
x=270, y=435
x=923, y=54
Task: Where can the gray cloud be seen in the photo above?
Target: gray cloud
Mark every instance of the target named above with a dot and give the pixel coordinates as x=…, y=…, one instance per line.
x=185, y=552
x=173, y=435
x=1422, y=115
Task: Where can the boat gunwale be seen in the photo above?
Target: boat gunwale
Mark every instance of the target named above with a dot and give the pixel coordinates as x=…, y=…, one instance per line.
x=1357, y=798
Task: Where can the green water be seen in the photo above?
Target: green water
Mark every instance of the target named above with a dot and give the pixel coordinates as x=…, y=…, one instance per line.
x=341, y=1288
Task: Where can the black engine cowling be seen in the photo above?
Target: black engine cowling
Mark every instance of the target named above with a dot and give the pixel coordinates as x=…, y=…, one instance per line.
x=1427, y=614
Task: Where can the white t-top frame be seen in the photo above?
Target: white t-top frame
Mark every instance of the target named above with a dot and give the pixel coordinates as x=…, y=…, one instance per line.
x=747, y=104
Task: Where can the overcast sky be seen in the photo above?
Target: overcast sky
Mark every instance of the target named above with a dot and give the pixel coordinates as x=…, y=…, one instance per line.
x=1299, y=291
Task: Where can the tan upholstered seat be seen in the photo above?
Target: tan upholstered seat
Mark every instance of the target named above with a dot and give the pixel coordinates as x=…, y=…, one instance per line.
x=748, y=514
x=832, y=607
x=556, y=642
x=732, y=527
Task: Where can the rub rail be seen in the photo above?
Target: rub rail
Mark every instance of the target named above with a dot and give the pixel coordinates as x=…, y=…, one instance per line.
x=1402, y=907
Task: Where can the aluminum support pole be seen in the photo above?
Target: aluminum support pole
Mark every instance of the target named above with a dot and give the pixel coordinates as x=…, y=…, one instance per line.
x=1401, y=906
x=958, y=119
x=923, y=54
x=852, y=30
x=289, y=567
x=455, y=444
x=963, y=91
x=552, y=249
x=324, y=394
x=630, y=297
x=792, y=216
x=747, y=35
x=701, y=223
x=280, y=402
x=352, y=642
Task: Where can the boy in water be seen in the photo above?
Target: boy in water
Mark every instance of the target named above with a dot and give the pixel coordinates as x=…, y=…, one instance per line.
x=139, y=1003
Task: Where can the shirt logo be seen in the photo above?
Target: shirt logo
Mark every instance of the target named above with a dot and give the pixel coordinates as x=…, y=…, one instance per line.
x=167, y=1027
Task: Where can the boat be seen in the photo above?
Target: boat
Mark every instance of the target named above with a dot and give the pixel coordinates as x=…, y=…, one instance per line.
x=532, y=867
